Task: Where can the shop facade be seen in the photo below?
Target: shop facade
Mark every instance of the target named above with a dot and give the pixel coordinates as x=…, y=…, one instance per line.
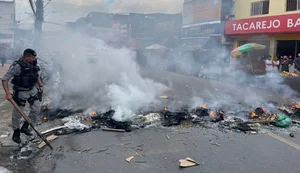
x=203, y=26
x=279, y=33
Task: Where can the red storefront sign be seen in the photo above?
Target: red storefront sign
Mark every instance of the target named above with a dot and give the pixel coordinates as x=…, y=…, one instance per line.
x=272, y=24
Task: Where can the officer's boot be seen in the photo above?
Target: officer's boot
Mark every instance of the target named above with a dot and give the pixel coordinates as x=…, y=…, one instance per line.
x=16, y=136
x=25, y=129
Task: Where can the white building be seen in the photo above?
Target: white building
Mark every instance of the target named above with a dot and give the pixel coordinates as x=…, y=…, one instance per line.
x=7, y=23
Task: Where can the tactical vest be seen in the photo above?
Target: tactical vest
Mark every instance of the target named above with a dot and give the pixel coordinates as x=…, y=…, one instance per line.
x=28, y=76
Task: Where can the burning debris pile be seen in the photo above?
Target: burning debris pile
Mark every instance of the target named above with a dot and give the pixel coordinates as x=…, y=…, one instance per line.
x=240, y=121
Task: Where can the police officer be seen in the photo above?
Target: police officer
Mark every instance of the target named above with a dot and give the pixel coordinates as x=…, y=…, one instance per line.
x=27, y=87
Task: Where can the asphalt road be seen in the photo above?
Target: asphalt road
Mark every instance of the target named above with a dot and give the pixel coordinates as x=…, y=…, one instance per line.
x=235, y=152
x=105, y=152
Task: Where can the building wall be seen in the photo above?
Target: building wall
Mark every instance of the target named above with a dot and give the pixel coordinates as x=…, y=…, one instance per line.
x=7, y=22
x=243, y=8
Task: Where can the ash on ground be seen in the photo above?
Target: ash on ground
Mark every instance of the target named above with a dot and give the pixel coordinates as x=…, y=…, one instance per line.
x=237, y=118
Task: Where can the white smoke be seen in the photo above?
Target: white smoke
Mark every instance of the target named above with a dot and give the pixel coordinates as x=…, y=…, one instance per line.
x=111, y=79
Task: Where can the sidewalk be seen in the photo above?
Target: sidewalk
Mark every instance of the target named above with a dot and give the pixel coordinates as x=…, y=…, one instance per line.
x=3, y=70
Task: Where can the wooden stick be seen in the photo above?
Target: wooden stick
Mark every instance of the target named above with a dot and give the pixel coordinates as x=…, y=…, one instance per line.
x=113, y=130
x=28, y=120
x=259, y=121
x=53, y=129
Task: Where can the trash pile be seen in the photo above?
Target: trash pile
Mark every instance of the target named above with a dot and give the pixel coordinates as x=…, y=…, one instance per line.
x=289, y=74
x=240, y=121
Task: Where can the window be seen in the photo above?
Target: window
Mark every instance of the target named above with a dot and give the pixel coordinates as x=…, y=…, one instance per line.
x=292, y=5
x=259, y=8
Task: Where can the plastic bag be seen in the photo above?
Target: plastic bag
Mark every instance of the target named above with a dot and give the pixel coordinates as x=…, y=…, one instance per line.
x=283, y=120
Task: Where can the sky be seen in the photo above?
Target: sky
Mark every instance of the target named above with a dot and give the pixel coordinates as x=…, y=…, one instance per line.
x=70, y=10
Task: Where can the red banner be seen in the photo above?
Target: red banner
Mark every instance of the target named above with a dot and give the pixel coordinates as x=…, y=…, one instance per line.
x=272, y=24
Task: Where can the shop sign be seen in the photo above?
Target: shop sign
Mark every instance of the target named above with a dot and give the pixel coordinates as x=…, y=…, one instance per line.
x=271, y=24
x=203, y=30
x=142, y=26
x=6, y=36
x=198, y=11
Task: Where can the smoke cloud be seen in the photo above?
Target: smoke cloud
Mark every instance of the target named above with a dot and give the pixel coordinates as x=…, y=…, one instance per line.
x=214, y=63
x=108, y=79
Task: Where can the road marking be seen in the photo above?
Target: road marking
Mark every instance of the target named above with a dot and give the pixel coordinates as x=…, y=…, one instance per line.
x=290, y=143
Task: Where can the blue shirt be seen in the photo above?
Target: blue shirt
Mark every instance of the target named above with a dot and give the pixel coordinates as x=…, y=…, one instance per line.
x=297, y=62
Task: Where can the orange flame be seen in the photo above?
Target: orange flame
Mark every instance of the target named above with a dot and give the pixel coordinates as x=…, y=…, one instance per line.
x=212, y=114
x=296, y=107
x=93, y=113
x=281, y=108
x=253, y=114
x=165, y=108
x=203, y=107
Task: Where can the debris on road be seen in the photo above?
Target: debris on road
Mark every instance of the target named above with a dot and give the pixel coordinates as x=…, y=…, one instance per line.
x=128, y=159
x=49, y=138
x=253, y=132
x=53, y=130
x=77, y=122
x=283, y=120
x=163, y=97
x=140, y=161
x=216, y=144
x=168, y=138
x=4, y=170
x=195, y=144
x=113, y=130
x=187, y=162
x=292, y=135
x=3, y=136
x=26, y=152
x=228, y=118
x=99, y=151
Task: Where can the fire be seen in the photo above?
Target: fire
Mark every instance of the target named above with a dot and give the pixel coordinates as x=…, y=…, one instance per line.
x=93, y=113
x=203, y=107
x=253, y=114
x=295, y=107
x=212, y=114
x=165, y=108
x=281, y=108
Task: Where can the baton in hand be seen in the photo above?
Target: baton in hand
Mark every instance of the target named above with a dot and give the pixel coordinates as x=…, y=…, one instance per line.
x=28, y=120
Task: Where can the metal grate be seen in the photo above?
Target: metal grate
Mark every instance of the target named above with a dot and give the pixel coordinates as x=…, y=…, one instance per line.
x=259, y=8
x=292, y=5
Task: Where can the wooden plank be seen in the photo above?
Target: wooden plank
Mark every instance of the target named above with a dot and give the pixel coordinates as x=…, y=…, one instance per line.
x=49, y=139
x=113, y=130
x=53, y=129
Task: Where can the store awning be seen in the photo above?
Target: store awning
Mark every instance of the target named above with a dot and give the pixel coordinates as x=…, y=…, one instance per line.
x=194, y=43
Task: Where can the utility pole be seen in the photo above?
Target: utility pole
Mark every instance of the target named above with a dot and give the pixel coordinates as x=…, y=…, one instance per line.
x=38, y=23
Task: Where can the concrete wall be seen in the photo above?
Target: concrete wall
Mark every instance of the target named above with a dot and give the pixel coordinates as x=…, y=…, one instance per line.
x=243, y=8
x=7, y=21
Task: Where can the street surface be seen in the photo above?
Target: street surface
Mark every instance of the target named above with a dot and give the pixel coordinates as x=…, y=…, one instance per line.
x=105, y=152
x=215, y=151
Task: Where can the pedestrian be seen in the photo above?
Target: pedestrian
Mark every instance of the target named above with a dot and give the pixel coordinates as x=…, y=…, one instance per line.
x=27, y=87
x=276, y=64
x=297, y=64
x=291, y=61
x=2, y=57
x=285, y=64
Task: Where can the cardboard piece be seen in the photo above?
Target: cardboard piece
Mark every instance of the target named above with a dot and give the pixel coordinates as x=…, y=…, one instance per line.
x=128, y=159
x=188, y=162
x=49, y=138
